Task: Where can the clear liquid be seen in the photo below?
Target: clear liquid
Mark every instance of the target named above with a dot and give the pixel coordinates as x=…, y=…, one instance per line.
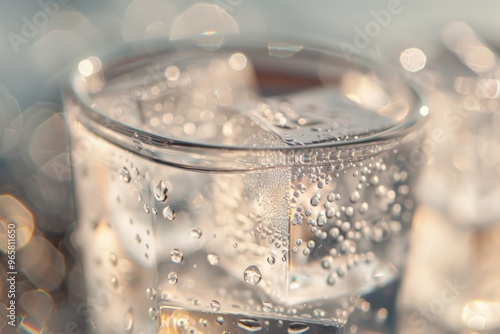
x=312, y=264
x=289, y=249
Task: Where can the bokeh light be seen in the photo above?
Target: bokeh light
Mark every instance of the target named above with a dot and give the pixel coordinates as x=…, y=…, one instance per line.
x=42, y=263
x=413, y=59
x=13, y=211
x=206, y=24
x=11, y=121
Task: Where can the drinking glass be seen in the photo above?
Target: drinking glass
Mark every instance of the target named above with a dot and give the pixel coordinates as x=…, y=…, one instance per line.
x=249, y=185
x=452, y=282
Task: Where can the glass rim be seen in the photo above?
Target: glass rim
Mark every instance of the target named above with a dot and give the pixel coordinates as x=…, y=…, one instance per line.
x=153, y=145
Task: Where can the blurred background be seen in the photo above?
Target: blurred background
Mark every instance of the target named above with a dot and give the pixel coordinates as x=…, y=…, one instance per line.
x=448, y=48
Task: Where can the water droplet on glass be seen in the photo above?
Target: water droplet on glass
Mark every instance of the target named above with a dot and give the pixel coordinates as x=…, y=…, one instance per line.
x=151, y=293
x=196, y=233
x=168, y=213
x=146, y=208
x=128, y=321
x=161, y=191
x=213, y=259
x=176, y=256
x=155, y=211
x=267, y=306
x=182, y=324
x=297, y=328
x=252, y=275
x=113, y=281
x=219, y=320
x=215, y=305
x=249, y=325
x=113, y=259
x=125, y=175
x=203, y=322
x=172, y=277
x=271, y=260
x=152, y=313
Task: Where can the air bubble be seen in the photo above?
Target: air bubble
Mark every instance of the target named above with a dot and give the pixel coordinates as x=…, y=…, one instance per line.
x=161, y=191
x=315, y=201
x=128, y=321
x=252, y=275
x=342, y=270
x=334, y=232
x=321, y=221
x=349, y=211
x=354, y=197
x=363, y=208
x=176, y=256
x=330, y=213
x=271, y=260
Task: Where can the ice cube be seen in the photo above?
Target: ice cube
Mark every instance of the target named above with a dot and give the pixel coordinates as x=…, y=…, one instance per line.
x=317, y=116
